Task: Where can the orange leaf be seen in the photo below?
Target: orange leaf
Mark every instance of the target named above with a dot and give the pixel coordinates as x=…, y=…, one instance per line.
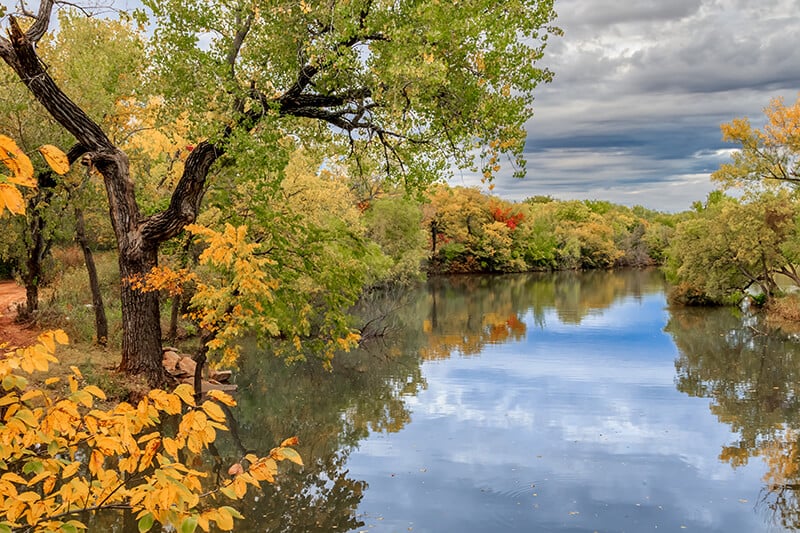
x=222, y=397
x=16, y=160
x=55, y=158
x=11, y=199
x=291, y=441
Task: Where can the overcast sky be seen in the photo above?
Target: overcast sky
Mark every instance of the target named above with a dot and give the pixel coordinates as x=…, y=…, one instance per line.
x=640, y=91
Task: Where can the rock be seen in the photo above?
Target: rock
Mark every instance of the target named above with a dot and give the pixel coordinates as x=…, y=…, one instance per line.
x=170, y=361
x=222, y=376
x=187, y=366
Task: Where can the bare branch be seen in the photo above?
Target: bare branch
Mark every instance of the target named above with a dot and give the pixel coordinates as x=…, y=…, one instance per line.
x=238, y=41
x=21, y=56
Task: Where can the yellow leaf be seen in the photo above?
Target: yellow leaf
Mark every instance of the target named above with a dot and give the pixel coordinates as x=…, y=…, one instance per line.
x=240, y=487
x=8, y=399
x=30, y=394
x=11, y=199
x=224, y=519
x=70, y=469
x=51, y=381
x=170, y=446
x=279, y=454
x=16, y=160
x=55, y=158
x=214, y=411
x=28, y=497
x=60, y=336
x=14, y=478
x=49, y=484
x=265, y=470
x=222, y=397
x=149, y=453
x=96, y=462
x=73, y=383
x=186, y=393
x=95, y=391
x=82, y=397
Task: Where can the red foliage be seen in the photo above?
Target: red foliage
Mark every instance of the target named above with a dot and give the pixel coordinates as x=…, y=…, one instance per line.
x=506, y=215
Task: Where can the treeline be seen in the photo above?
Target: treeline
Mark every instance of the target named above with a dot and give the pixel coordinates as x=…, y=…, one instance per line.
x=474, y=232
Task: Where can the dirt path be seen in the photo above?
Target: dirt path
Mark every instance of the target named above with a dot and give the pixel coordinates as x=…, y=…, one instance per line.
x=11, y=332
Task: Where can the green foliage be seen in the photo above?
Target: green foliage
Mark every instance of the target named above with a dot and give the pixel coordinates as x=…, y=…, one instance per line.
x=395, y=224
x=731, y=245
x=424, y=83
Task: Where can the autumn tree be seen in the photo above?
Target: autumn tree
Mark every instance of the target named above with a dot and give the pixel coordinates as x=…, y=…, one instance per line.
x=731, y=245
x=64, y=458
x=102, y=82
x=771, y=154
x=417, y=85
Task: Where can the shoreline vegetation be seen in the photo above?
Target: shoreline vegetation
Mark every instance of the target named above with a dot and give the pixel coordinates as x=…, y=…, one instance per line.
x=457, y=230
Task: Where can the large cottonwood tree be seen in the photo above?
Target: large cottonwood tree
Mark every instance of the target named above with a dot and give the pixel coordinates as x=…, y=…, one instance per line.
x=420, y=86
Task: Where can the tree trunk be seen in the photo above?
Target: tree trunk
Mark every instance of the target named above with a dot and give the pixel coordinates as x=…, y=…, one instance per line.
x=141, y=319
x=100, y=321
x=38, y=244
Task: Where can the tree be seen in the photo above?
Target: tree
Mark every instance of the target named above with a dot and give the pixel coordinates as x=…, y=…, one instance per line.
x=768, y=155
x=111, y=77
x=417, y=84
x=49, y=479
x=731, y=245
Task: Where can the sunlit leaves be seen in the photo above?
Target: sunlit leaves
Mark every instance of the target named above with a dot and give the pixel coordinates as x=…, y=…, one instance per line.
x=767, y=156
x=424, y=81
x=16, y=161
x=61, y=456
x=55, y=158
x=22, y=172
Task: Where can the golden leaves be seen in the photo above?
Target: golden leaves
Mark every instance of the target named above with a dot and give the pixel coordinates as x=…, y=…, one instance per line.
x=16, y=161
x=11, y=199
x=124, y=444
x=55, y=158
x=22, y=172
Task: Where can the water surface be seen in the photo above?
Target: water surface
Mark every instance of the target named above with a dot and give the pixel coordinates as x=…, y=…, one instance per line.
x=564, y=402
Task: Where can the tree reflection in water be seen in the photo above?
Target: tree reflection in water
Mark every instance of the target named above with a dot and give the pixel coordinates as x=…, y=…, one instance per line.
x=752, y=376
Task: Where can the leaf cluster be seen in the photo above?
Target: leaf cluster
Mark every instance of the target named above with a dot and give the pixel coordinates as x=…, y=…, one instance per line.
x=61, y=455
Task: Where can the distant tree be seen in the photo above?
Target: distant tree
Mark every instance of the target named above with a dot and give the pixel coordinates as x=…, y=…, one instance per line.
x=731, y=245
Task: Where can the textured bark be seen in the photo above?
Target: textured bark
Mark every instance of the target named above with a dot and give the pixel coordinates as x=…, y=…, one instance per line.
x=100, y=321
x=141, y=326
x=38, y=244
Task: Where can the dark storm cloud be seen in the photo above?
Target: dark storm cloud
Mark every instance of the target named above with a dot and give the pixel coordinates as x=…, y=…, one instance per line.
x=640, y=91
x=606, y=12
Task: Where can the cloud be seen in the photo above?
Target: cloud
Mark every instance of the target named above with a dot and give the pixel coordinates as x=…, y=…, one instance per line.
x=640, y=91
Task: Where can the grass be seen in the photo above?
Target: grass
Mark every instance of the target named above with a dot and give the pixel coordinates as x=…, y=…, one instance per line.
x=67, y=304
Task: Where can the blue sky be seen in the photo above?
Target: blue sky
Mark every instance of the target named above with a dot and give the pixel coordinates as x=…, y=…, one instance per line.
x=640, y=91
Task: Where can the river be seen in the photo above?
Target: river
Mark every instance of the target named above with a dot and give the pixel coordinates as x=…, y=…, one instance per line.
x=565, y=402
